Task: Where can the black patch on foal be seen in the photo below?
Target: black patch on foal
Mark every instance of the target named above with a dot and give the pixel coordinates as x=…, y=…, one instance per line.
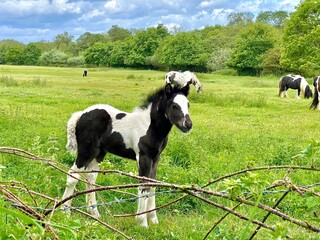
x=114, y=144
x=120, y=116
x=90, y=127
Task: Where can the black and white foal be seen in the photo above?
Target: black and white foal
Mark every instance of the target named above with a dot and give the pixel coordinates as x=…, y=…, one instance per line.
x=140, y=135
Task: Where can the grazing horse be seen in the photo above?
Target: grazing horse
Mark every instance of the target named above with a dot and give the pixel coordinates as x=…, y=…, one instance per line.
x=140, y=135
x=294, y=82
x=316, y=99
x=181, y=79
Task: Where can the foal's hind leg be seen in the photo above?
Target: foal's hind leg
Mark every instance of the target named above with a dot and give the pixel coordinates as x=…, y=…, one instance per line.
x=152, y=216
x=91, y=197
x=72, y=180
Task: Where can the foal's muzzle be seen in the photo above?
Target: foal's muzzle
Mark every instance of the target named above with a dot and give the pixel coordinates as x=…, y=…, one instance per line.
x=186, y=125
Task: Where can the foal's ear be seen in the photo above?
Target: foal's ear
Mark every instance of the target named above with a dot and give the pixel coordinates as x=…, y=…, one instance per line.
x=168, y=89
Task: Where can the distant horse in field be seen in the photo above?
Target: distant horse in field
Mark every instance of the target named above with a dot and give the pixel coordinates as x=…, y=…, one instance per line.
x=316, y=99
x=140, y=135
x=294, y=82
x=181, y=79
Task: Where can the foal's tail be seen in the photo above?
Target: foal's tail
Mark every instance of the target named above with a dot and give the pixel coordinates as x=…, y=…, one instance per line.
x=71, y=132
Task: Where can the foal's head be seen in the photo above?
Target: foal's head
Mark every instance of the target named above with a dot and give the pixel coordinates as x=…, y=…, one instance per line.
x=177, y=109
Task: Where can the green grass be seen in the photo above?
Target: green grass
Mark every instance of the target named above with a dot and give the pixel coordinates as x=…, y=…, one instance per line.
x=237, y=122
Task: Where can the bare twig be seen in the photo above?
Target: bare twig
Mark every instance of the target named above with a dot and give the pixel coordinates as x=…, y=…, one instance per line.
x=259, y=169
x=104, y=224
x=268, y=214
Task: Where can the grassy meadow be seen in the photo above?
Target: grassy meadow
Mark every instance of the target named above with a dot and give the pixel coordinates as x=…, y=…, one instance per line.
x=238, y=122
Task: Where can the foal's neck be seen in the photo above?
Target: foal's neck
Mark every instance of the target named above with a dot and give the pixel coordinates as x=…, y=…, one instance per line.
x=159, y=121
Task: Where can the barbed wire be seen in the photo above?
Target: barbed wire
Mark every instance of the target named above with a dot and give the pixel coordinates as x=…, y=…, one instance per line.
x=133, y=199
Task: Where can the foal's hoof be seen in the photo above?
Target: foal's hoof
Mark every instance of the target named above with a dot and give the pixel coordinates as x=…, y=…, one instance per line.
x=95, y=214
x=154, y=220
x=142, y=221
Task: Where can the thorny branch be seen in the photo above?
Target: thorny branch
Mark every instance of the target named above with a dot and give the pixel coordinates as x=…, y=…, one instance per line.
x=200, y=193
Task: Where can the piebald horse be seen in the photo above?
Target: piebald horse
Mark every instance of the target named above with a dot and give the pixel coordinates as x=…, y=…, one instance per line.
x=182, y=79
x=140, y=135
x=294, y=82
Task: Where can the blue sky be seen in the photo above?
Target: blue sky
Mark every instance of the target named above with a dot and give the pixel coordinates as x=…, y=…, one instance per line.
x=35, y=20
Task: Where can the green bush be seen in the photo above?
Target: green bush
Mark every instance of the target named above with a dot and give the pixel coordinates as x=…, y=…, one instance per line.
x=75, y=61
x=53, y=58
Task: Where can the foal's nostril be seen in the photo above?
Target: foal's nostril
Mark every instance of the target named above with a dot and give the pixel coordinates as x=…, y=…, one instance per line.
x=188, y=122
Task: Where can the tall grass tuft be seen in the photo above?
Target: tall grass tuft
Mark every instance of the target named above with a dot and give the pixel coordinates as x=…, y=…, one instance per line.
x=8, y=81
x=39, y=82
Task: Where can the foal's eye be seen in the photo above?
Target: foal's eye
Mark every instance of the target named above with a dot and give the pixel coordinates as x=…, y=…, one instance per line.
x=174, y=106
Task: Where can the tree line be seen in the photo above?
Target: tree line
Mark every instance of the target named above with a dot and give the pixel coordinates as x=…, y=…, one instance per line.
x=272, y=43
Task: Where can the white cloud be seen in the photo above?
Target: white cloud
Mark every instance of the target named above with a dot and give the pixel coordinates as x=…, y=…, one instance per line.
x=64, y=6
x=116, y=6
x=206, y=4
x=28, y=7
x=89, y=15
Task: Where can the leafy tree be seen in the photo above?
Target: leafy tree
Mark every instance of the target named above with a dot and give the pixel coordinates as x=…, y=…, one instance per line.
x=301, y=40
x=240, y=18
x=218, y=59
x=3, y=53
x=64, y=42
x=31, y=54
x=87, y=40
x=276, y=18
x=144, y=44
x=14, y=54
x=45, y=46
x=255, y=40
x=53, y=58
x=220, y=42
x=271, y=62
x=184, y=51
x=117, y=33
x=98, y=54
x=118, y=53
x=5, y=45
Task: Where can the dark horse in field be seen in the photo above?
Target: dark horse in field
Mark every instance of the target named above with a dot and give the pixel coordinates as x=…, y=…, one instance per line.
x=140, y=135
x=294, y=82
x=316, y=99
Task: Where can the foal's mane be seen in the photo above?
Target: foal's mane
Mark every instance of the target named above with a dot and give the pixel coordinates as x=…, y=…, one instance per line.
x=152, y=97
x=158, y=94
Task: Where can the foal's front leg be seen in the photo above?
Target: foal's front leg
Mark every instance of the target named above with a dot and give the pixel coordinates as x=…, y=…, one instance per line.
x=152, y=216
x=147, y=198
x=147, y=202
x=143, y=194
